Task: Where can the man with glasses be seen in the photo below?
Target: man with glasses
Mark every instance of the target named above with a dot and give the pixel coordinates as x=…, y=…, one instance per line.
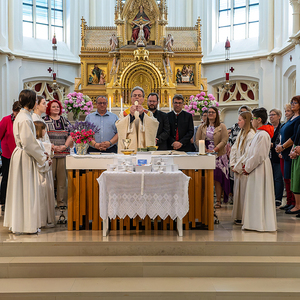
x=106, y=138
x=163, y=131
x=181, y=126
x=137, y=123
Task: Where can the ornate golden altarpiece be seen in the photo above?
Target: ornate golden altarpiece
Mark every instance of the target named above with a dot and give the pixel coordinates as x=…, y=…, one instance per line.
x=113, y=70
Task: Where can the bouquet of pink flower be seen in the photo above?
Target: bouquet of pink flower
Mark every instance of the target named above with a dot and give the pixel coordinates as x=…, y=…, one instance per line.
x=83, y=132
x=78, y=103
x=200, y=103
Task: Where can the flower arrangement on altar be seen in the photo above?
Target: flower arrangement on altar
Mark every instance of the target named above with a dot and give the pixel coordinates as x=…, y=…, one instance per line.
x=201, y=103
x=83, y=132
x=78, y=103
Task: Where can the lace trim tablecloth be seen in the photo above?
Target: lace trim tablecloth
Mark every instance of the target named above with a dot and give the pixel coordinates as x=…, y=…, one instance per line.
x=140, y=194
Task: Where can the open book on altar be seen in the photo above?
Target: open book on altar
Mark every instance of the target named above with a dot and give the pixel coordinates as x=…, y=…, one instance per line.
x=168, y=152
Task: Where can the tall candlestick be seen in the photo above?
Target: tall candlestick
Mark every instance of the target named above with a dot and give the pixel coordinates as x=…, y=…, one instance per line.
x=201, y=147
x=227, y=76
x=121, y=104
x=170, y=105
x=110, y=104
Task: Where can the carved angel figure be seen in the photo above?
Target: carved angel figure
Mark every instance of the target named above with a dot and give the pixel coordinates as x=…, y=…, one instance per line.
x=169, y=42
x=113, y=41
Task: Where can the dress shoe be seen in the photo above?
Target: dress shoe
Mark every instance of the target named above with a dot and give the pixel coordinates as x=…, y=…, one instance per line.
x=277, y=203
x=284, y=207
x=290, y=207
x=289, y=212
x=298, y=216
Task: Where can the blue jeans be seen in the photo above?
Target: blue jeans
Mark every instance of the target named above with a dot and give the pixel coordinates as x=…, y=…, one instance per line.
x=278, y=181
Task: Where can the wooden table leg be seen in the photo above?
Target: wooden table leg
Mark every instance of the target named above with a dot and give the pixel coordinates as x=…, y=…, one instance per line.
x=179, y=227
x=210, y=199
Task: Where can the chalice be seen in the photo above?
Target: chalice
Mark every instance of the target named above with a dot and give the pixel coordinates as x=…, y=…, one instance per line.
x=126, y=143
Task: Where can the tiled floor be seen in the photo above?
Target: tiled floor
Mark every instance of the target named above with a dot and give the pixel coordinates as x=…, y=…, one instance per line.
x=288, y=231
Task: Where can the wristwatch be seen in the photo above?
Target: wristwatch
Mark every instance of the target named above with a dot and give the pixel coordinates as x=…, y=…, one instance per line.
x=110, y=143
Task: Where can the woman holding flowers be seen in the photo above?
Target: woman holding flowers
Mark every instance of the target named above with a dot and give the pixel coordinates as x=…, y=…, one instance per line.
x=215, y=135
x=58, y=131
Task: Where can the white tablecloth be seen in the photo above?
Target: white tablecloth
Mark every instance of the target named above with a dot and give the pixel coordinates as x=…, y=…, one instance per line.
x=140, y=194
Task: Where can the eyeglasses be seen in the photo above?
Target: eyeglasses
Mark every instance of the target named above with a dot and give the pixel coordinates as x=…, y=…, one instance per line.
x=102, y=103
x=294, y=103
x=211, y=112
x=272, y=115
x=254, y=118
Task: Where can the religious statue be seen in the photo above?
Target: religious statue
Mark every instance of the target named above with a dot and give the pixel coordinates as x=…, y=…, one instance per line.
x=178, y=76
x=113, y=41
x=184, y=71
x=102, y=78
x=141, y=18
x=169, y=42
x=191, y=76
x=141, y=38
x=97, y=73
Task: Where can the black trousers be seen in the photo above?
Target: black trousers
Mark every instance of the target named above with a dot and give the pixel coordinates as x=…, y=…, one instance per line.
x=5, y=170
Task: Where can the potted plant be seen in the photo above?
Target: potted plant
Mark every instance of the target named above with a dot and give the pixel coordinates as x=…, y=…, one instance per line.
x=78, y=103
x=82, y=133
x=200, y=103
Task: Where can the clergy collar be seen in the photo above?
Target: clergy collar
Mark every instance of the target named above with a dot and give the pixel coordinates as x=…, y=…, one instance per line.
x=176, y=112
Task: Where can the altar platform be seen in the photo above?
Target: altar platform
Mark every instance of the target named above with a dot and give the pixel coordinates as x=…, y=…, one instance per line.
x=226, y=263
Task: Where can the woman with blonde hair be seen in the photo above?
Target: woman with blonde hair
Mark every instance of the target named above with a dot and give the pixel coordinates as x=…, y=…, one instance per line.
x=237, y=157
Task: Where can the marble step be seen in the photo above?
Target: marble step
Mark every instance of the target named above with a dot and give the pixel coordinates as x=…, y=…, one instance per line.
x=150, y=288
x=151, y=247
x=150, y=266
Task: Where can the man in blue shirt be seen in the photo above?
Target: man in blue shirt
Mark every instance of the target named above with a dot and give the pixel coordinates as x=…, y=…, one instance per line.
x=107, y=137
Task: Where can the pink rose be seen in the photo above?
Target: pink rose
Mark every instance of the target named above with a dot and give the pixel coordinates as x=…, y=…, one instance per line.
x=192, y=97
x=186, y=107
x=205, y=103
x=71, y=101
x=201, y=98
x=198, y=96
x=217, y=104
x=202, y=93
x=204, y=108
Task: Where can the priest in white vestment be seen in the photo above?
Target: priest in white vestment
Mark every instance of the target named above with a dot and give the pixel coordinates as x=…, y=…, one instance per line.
x=22, y=211
x=259, y=207
x=137, y=123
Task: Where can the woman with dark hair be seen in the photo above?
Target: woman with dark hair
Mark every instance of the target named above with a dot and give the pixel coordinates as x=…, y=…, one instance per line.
x=288, y=133
x=22, y=212
x=259, y=206
x=216, y=137
x=8, y=145
x=58, y=131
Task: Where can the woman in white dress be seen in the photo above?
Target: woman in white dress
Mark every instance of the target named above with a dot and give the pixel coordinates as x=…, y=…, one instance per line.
x=237, y=157
x=259, y=207
x=22, y=213
x=46, y=181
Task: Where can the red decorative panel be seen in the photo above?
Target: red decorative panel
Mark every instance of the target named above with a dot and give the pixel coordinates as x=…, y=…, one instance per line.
x=38, y=87
x=44, y=95
x=226, y=96
x=244, y=87
x=55, y=96
x=250, y=95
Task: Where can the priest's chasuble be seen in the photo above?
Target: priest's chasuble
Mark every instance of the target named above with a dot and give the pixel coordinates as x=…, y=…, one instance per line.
x=142, y=134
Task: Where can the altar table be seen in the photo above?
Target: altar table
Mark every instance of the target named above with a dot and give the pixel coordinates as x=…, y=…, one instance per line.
x=152, y=194
x=83, y=194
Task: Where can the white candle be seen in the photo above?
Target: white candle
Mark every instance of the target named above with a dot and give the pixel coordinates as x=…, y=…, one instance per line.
x=121, y=104
x=201, y=147
x=158, y=106
x=170, y=104
x=110, y=104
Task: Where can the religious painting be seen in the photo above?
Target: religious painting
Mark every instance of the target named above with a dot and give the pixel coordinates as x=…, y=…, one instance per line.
x=184, y=73
x=97, y=74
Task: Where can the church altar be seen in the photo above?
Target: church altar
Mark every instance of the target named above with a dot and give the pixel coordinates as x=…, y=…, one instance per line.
x=83, y=194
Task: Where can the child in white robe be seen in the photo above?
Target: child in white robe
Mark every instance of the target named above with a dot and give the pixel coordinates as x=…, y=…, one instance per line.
x=47, y=204
x=259, y=207
x=237, y=160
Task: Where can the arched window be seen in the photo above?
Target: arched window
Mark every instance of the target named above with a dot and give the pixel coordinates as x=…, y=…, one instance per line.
x=41, y=18
x=238, y=19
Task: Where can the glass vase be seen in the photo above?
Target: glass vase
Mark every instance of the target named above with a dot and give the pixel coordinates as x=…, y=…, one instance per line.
x=81, y=149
